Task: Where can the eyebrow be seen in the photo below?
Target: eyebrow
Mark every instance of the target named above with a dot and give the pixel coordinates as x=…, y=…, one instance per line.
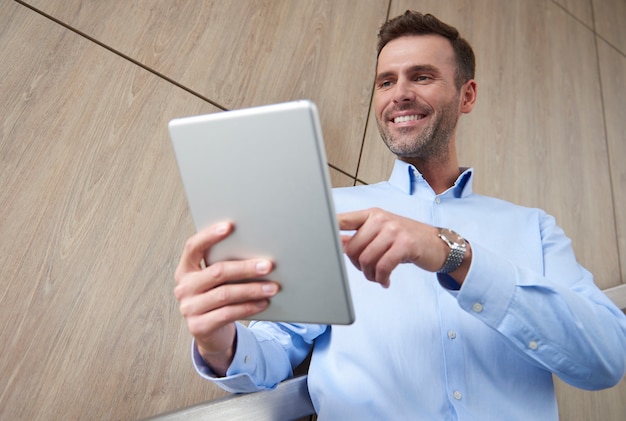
x=418, y=68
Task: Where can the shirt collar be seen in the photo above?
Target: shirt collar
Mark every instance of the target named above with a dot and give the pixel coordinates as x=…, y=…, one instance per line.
x=408, y=179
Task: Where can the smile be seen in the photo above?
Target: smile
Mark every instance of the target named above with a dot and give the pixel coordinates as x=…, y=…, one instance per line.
x=405, y=118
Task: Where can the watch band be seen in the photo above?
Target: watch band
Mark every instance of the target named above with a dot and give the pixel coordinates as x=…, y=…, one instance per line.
x=457, y=251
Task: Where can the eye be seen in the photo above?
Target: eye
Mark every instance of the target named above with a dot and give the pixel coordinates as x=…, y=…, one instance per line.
x=422, y=78
x=385, y=84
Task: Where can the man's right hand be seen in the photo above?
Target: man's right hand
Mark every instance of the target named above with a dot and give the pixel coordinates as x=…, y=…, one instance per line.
x=211, y=303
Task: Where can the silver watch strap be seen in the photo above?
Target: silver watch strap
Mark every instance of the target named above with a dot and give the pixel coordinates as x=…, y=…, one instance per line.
x=454, y=260
x=457, y=250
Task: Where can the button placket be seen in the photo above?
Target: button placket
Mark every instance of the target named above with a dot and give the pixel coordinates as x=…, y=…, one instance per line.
x=452, y=342
x=477, y=307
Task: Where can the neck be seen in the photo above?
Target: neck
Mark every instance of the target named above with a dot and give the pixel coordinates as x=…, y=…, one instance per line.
x=441, y=173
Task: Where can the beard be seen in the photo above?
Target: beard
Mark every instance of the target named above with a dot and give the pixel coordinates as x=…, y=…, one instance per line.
x=429, y=143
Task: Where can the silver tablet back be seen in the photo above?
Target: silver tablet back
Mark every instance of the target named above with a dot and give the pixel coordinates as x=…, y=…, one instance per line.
x=265, y=169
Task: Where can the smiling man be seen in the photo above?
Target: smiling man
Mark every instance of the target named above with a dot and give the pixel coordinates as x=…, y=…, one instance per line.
x=417, y=104
x=469, y=326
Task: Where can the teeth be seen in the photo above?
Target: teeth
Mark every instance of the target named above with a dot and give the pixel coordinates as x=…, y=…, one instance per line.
x=407, y=118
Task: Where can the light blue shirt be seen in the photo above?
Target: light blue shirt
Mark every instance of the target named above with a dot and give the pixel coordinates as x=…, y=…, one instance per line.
x=422, y=350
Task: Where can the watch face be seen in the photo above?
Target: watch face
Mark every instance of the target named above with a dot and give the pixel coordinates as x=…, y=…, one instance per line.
x=457, y=250
x=452, y=236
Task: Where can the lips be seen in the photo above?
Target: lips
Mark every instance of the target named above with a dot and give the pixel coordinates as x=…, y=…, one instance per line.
x=405, y=118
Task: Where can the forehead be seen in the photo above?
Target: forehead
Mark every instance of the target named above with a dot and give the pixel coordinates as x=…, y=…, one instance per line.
x=417, y=50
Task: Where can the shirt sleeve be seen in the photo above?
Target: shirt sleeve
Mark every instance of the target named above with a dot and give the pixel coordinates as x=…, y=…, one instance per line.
x=558, y=319
x=265, y=355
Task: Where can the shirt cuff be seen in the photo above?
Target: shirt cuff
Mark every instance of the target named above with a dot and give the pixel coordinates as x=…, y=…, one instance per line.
x=489, y=286
x=237, y=379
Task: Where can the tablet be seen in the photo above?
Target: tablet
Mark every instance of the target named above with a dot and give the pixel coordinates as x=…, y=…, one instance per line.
x=265, y=169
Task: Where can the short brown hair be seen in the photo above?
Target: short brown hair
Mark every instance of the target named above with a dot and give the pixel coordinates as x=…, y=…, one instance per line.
x=416, y=23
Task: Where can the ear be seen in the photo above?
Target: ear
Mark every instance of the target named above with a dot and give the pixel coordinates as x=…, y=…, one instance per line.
x=468, y=96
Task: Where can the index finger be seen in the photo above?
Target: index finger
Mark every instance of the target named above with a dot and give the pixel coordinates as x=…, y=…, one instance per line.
x=349, y=221
x=197, y=245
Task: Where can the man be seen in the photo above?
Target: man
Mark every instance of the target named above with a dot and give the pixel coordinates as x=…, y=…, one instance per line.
x=464, y=329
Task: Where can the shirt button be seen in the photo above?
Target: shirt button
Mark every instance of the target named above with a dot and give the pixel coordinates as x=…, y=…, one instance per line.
x=533, y=345
x=477, y=307
x=451, y=334
x=438, y=200
x=457, y=395
x=246, y=359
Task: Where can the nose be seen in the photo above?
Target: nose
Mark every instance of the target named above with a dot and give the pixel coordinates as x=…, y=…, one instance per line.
x=403, y=92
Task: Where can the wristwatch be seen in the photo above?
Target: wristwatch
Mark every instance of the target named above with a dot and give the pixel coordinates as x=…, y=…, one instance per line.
x=457, y=246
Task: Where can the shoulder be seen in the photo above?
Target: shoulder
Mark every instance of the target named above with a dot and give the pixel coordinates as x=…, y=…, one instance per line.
x=495, y=212
x=490, y=203
x=362, y=196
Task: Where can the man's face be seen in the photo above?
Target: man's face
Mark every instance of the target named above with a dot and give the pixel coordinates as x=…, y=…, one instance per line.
x=416, y=102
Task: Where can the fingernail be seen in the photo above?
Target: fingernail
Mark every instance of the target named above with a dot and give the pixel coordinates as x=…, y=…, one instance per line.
x=263, y=267
x=269, y=288
x=221, y=229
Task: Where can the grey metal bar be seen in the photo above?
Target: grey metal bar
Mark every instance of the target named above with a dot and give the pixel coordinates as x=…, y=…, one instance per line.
x=617, y=295
x=289, y=401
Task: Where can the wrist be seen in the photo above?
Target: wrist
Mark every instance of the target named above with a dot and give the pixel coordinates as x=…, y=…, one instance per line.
x=218, y=362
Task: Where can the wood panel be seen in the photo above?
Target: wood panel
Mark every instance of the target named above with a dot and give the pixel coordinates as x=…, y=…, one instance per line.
x=581, y=405
x=609, y=18
x=613, y=71
x=244, y=53
x=536, y=136
x=338, y=179
x=581, y=9
x=92, y=221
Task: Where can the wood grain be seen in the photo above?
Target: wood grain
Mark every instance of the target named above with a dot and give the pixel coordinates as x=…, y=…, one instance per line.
x=609, y=18
x=581, y=9
x=245, y=53
x=92, y=221
x=582, y=405
x=613, y=71
x=339, y=179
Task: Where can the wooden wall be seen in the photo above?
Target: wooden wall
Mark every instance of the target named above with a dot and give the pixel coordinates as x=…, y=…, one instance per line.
x=93, y=218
